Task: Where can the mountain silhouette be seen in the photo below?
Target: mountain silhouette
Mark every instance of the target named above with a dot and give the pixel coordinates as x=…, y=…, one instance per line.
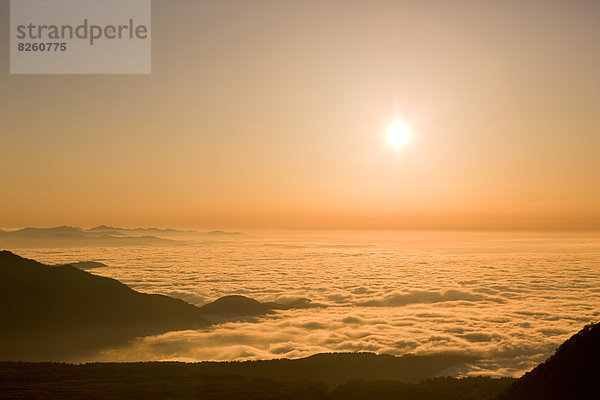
x=114, y=230
x=236, y=305
x=85, y=265
x=61, y=310
x=50, y=311
x=572, y=373
x=222, y=233
x=68, y=236
x=102, y=235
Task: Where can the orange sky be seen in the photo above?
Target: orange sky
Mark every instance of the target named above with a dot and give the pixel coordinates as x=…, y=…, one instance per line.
x=272, y=114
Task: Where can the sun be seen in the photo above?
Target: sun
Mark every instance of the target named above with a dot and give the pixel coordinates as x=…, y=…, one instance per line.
x=398, y=134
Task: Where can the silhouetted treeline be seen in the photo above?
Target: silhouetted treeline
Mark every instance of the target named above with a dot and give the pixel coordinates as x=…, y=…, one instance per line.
x=331, y=369
x=202, y=381
x=336, y=368
x=431, y=389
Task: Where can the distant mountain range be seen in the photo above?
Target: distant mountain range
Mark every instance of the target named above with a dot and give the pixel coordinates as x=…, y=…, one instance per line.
x=105, y=236
x=112, y=230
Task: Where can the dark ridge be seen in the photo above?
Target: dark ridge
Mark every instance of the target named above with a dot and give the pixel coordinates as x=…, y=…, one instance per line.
x=573, y=372
x=67, y=236
x=103, y=227
x=306, y=378
x=336, y=368
x=153, y=231
x=443, y=388
x=85, y=265
x=218, y=232
x=237, y=305
x=52, y=312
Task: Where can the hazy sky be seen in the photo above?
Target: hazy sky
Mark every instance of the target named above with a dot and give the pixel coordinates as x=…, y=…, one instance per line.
x=272, y=114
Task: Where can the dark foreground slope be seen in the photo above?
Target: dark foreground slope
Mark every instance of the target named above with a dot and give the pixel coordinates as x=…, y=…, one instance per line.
x=47, y=311
x=572, y=373
x=212, y=381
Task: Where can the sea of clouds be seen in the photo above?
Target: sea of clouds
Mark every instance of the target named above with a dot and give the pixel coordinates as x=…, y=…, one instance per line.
x=508, y=299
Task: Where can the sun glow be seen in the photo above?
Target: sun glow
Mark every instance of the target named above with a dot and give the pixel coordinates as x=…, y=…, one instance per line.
x=398, y=134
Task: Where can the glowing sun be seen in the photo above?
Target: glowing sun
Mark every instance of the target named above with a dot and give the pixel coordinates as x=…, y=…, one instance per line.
x=398, y=134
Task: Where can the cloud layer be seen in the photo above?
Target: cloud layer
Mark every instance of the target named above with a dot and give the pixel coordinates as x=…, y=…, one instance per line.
x=509, y=301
